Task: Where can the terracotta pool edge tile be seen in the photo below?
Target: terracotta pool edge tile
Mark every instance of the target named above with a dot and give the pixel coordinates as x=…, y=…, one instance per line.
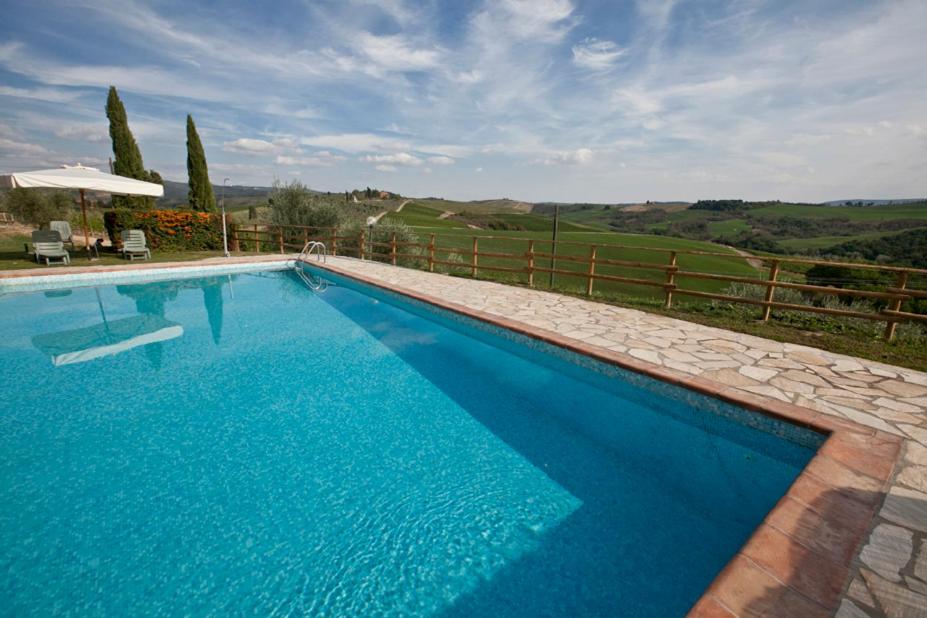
x=745, y=585
x=710, y=607
x=823, y=584
x=828, y=475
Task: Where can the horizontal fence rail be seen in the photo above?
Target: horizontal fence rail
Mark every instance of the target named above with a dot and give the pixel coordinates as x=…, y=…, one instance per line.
x=480, y=254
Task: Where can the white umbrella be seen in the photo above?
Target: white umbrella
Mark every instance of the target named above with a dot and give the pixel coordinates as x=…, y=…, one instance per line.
x=83, y=179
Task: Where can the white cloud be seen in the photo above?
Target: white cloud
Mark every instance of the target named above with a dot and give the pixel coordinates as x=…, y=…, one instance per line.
x=400, y=158
x=469, y=77
x=322, y=158
x=96, y=133
x=536, y=18
x=396, y=53
x=385, y=168
x=656, y=12
x=13, y=147
x=596, y=55
x=356, y=142
x=52, y=95
x=637, y=102
x=247, y=145
x=456, y=151
x=441, y=160
x=580, y=156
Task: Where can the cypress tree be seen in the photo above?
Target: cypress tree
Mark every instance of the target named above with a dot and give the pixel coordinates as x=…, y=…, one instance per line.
x=128, y=158
x=200, y=196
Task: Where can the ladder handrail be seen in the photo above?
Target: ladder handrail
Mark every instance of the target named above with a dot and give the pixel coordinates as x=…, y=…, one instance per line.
x=314, y=245
x=320, y=255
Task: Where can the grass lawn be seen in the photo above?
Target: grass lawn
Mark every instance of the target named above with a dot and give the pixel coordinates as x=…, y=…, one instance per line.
x=13, y=255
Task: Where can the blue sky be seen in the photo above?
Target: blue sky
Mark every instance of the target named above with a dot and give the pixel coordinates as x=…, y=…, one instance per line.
x=570, y=100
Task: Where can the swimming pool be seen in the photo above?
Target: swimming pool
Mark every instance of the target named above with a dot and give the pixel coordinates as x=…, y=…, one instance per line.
x=241, y=443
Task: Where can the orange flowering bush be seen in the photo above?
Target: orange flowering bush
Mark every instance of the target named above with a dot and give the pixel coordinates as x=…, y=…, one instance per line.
x=167, y=229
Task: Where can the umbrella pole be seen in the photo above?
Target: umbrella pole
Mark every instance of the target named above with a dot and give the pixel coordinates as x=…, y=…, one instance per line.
x=83, y=212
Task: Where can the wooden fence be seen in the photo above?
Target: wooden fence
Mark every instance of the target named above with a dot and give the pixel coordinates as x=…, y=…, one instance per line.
x=664, y=273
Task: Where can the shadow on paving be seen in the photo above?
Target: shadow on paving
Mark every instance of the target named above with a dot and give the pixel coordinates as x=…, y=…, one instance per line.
x=811, y=579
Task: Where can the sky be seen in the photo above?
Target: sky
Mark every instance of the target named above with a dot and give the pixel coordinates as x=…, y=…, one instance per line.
x=537, y=100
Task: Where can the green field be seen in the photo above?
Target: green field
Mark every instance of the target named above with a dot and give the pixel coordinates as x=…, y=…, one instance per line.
x=731, y=227
x=857, y=213
x=823, y=242
x=417, y=215
x=480, y=206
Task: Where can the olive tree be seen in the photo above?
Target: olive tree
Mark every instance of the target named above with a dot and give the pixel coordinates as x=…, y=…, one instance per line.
x=37, y=207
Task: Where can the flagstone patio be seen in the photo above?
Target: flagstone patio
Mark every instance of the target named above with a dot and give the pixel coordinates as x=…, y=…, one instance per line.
x=888, y=572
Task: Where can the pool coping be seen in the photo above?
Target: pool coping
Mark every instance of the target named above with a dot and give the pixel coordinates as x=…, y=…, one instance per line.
x=822, y=519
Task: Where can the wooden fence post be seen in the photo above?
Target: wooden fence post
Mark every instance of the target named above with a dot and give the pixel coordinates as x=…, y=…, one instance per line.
x=233, y=241
x=895, y=305
x=362, y=243
x=770, y=289
x=530, y=255
x=670, y=281
x=257, y=240
x=392, y=250
x=334, y=243
x=431, y=254
x=590, y=279
x=473, y=261
x=280, y=238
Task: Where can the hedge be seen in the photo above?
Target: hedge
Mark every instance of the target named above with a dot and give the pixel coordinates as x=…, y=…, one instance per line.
x=167, y=229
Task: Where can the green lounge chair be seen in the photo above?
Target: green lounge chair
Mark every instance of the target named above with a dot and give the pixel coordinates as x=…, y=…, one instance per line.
x=63, y=228
x=134, y=245
x=47, y=245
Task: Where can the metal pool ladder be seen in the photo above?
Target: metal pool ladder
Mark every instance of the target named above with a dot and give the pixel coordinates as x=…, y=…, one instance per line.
x=316, y=284
x=321, y=252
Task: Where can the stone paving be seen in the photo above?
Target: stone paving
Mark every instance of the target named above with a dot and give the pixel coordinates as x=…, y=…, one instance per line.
x=888, y=573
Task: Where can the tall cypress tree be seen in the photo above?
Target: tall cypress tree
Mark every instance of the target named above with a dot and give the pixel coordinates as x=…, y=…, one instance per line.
x=201, y=196
x=128, y=158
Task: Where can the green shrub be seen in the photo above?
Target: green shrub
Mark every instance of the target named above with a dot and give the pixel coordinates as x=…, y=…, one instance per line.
x=167, y=229
x=382, y=233
x=295, y=204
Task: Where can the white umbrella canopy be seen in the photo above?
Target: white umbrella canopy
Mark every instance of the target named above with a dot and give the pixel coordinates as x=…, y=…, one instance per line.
x=80, y=177
x=84, y=179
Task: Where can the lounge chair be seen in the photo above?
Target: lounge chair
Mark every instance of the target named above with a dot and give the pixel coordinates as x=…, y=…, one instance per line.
x=134, y=245
x=47, y=245
x=63, y=228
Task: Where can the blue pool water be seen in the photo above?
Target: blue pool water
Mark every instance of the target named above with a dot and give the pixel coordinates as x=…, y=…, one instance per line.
x=242, y=444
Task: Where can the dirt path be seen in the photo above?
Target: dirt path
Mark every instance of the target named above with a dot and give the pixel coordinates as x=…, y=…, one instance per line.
x=386, y=212
x=446, y=214
x=751, y=260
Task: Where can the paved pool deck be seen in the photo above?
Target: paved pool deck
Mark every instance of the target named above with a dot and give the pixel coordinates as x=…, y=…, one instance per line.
x=850, y=537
